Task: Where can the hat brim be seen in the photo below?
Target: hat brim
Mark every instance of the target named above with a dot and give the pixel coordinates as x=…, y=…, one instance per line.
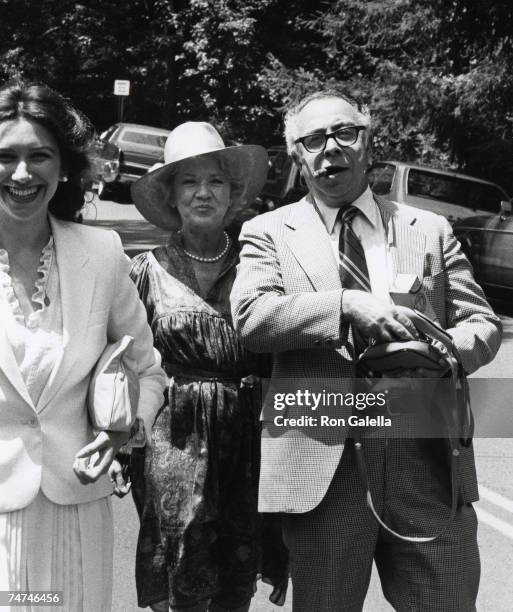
x=151, y=193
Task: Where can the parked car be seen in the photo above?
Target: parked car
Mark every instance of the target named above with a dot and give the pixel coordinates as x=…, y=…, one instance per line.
x=284, y=184
x=138, y=148
x=104, y=163
x=488, y=243
x=450, y=194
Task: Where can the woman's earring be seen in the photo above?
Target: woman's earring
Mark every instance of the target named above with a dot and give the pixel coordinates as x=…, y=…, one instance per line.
x=63, y=179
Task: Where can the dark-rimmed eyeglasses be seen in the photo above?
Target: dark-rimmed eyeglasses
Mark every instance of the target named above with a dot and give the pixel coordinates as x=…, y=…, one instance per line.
x=344, y=137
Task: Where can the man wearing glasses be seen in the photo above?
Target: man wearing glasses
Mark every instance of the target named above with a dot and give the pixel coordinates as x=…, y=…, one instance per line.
x=314, y=279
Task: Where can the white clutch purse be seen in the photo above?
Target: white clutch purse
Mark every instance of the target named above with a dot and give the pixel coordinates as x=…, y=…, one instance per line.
x=113, y=391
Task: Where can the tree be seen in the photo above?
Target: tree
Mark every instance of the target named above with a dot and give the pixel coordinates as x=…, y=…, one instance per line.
x=435, y=73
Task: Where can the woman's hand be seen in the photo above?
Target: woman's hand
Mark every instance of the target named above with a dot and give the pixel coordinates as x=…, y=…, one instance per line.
x=95, y=458
x=117, y=477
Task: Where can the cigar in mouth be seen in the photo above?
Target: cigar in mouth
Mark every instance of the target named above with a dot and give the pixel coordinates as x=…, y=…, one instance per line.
x=329, y=171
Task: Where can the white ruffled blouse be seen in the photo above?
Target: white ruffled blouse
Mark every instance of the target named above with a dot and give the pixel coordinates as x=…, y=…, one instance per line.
x=37, y=342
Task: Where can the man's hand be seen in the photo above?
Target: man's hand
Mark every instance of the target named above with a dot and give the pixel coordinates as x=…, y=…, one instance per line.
x=95, y=458
x=375, y=318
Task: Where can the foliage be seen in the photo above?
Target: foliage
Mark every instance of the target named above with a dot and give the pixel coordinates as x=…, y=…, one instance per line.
x=436, y=73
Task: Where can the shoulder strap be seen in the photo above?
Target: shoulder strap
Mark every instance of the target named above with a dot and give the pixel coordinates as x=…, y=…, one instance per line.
x=362, y=468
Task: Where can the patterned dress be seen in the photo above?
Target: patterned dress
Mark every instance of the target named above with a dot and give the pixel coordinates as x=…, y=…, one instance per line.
x=196, y=484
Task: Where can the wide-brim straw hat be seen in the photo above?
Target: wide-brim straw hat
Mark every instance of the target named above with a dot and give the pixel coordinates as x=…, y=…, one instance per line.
x=152, y=193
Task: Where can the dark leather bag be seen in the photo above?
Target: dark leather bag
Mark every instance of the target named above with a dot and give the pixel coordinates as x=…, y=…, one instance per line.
x=411, y=354
x=434, y=351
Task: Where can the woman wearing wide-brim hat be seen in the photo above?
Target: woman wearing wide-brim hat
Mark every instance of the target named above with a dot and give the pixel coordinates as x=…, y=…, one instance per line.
x=196, y=489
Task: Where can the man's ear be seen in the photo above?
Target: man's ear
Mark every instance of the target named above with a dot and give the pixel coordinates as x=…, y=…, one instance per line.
x=368, y=148
x=299, y=163
x=295, y=158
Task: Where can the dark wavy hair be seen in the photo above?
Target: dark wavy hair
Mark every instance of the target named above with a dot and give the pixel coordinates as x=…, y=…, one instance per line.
x=71, y=129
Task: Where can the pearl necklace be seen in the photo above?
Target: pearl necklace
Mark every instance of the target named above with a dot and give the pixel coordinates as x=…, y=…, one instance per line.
x=211, y=259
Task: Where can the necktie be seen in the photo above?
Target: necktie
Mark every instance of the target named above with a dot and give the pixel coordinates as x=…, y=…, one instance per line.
x=353, y=267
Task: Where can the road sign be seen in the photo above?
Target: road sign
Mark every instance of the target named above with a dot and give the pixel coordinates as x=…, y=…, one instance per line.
x=121, y=88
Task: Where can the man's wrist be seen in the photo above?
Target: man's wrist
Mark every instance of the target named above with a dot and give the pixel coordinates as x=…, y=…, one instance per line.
x=346, y=306
x=344, y=329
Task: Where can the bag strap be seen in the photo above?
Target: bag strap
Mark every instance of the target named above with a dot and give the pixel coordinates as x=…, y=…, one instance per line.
x=362, y=468
x=427, y=327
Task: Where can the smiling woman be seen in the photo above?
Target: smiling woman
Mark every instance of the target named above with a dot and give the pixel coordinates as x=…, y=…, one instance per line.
x=30, y=169
x=70, y=134
x=64, y=289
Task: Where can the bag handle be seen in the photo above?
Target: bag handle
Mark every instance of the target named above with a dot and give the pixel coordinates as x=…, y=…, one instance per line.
x=362, y=468
x=428, y=327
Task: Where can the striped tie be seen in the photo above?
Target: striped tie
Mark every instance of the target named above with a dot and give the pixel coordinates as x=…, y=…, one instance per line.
x=353, y=267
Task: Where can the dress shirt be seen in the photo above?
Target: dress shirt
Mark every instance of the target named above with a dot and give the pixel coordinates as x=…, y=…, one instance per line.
x=369, y=229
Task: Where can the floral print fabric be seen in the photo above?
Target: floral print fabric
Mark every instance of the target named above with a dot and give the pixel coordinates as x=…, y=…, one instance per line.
x=196, y=484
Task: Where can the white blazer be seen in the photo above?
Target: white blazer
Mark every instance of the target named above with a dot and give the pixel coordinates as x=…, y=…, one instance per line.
x=38, y=442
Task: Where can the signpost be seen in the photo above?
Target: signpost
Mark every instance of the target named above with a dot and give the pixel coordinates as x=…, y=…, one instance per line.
x=122, y=90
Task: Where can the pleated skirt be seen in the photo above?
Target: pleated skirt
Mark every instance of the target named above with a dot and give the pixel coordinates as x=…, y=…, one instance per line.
x=49, y=547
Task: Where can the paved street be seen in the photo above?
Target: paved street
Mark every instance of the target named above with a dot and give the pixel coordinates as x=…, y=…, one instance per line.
x=495, y=510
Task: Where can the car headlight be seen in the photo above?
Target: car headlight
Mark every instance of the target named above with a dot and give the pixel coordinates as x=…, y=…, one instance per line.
x=110, y=171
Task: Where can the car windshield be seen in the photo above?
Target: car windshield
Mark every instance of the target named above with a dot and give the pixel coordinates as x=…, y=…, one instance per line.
x=381, y=177
x=144, y=138
x=279, y=166
x=455, y=190
x=108, y=133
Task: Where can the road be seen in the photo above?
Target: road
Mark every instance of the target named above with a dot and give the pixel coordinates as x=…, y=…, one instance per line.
x=494, y=456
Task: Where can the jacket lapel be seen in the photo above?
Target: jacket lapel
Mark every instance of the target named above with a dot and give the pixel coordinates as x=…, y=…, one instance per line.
x=309, y=242
x=8, y=363
x=77, y=281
